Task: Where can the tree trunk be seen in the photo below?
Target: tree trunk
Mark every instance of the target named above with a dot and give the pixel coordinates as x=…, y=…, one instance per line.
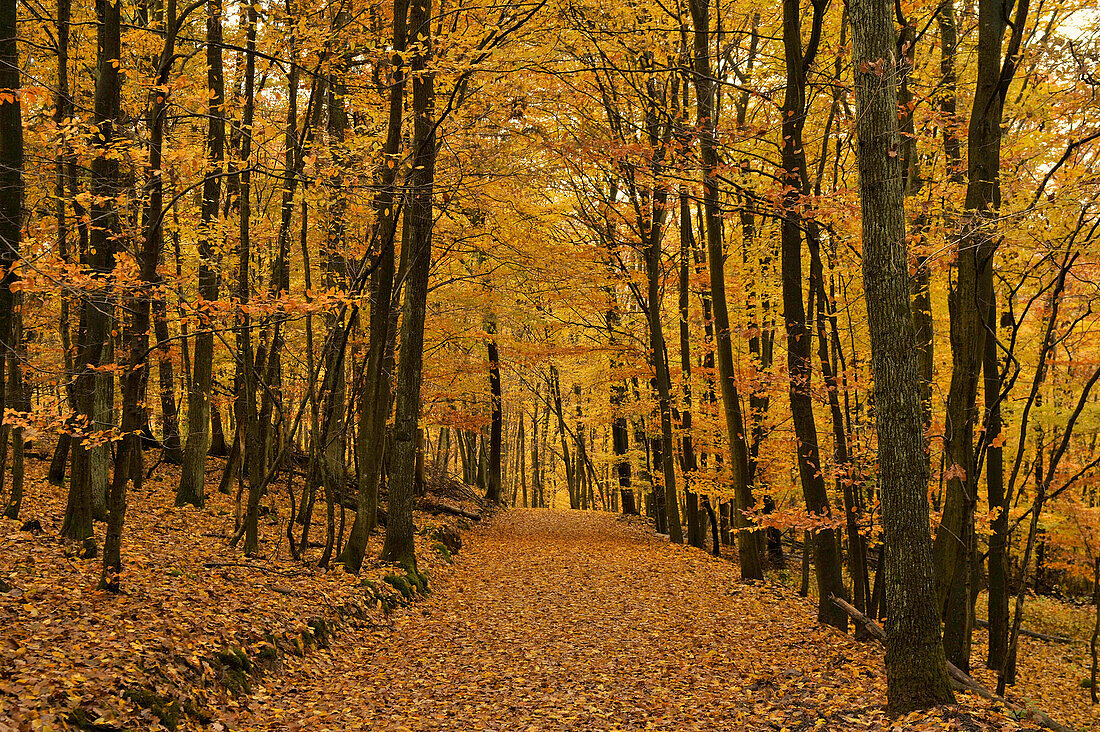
x=375, y=400
x=399, y=547
x=1094, y=641
x=496, y=427
x=200, y=421
x=11, y=222
x=66, y=176
x=570, y=477
x=252, y=468
x=748, y=542
x=98, y=305
x=969, y=307
x=662, y=380
x=687, y=448
x=170, y=436
x=916, y=670
x=128, y=462
x=830, y=579
x=995, y=486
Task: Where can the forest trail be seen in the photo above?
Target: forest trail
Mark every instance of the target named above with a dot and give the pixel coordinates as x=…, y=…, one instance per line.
x=569, y=620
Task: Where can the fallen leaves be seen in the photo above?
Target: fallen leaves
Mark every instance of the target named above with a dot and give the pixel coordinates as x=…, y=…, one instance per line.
x=584, y=621
x=179, y=633
x=548, y=621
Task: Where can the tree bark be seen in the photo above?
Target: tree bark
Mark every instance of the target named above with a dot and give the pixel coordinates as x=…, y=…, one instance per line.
x=191, y=488
x=830, y=579
x=916, y=669
x=251, y=450
x=496, y=426
x=399, y=546
x=11, y=223
x=748, y=541
x=128, y=461
x=968, y=305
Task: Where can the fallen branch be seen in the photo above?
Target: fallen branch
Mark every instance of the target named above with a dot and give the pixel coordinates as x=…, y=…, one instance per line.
x=214, y=565
x=1032, y=634
x=431, y=506
x=960, y=679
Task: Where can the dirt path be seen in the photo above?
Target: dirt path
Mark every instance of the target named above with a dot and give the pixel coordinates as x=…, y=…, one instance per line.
x=579, y=621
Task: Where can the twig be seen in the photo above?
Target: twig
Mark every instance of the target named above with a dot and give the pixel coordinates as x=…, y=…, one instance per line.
x=1032, y=634
x=213, y=565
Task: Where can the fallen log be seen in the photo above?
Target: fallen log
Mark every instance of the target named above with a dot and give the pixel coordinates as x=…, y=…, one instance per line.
x=433, y=506
x=961, y=680
x=1032, y=634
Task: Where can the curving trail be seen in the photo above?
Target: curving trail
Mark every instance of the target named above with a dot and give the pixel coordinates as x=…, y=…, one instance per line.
x=580, y=621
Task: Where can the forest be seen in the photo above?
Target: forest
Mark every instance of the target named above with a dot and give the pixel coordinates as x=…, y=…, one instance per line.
x=793, y=304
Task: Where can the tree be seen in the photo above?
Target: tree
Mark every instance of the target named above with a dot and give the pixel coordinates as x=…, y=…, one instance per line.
x=916, y=671
x=748, y=542
x=493, y=492
x=193, y=472
x=399, y=545
x=971, y=302
x=11, y=229
x=374, y=402
x=98, y=304
x=830, y=580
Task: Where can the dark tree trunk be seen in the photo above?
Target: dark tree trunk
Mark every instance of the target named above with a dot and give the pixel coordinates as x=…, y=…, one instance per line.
x=570, y=477
x=748, y=542
x=916, y=671
x=375, y=399
x=496, y=425
x=248, y=431
x=995, y=486
x=201, y=418
x=830, y=579
x=11, y=222
x=969, y=306
x=688, y=463
x=128, y=461
x=170, y=438
x=98, y=305
x=66, y=175
x=662, y=380
x=398, y=545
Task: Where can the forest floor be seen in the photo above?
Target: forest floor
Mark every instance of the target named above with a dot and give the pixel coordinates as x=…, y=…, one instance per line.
x=567, y=620
x=547, y=620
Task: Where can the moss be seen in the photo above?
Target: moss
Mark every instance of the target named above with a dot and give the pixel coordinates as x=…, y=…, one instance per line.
x=401, y=584
x=235, y=668
x=320, y=630
x=441, y=549
x=81, y=719
x=421, y=580
x=167, y=710
x=448, y=537
x=267, y=655
x=411, y=584
x=234, y=658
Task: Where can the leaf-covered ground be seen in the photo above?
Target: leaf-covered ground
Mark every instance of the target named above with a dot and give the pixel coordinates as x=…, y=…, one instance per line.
x=582, y=621
x=547, y=621
x=181, y=632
